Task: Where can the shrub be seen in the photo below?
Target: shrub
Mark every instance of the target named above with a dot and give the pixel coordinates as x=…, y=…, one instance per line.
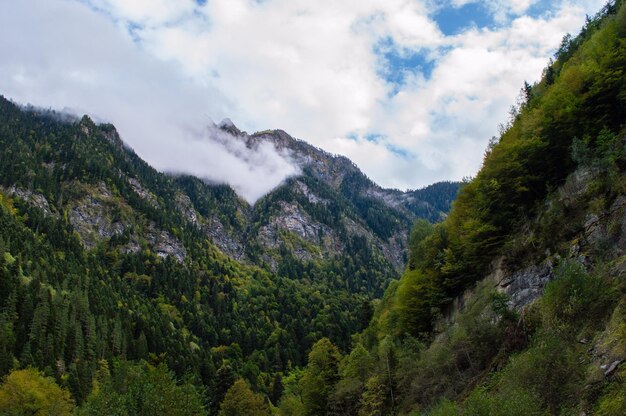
x=575, y=298
x=549, y=370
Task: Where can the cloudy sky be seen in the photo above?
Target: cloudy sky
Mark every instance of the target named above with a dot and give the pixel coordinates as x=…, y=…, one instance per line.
x=411, y=90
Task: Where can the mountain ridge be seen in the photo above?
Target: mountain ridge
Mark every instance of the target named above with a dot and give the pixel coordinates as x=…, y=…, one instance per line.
x=144, y=256
x=330, y=171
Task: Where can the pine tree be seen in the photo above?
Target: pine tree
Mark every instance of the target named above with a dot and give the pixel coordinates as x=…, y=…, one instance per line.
x=320, y=376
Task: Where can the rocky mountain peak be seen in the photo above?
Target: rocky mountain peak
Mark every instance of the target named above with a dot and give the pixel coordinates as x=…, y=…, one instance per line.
x=228, y=126
x=86, y=125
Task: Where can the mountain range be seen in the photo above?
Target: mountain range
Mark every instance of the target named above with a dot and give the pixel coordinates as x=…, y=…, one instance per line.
x=172, y=266
x=125, y=290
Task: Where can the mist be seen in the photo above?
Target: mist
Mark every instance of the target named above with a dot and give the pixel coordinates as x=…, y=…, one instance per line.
x=216, y=155
x=78, y=62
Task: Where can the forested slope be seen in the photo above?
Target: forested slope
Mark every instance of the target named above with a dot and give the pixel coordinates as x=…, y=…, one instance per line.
x=516, y=303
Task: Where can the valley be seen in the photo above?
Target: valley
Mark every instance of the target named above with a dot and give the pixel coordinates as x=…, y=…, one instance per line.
x=125, y=290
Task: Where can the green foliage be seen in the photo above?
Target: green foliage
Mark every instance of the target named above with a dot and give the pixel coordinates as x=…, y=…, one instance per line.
x=439, y=195
x=142, y=389
x=575, y=298
x=549, y=369
x=421, y=230
x=309, y=391
x=29, y=392
x=512, y=403
x=417, y=297
x=374, y=398
x=319, y=377
x=445, y=408
x=613, y=402
x=241, y=401
x=291, y=406
x=291, y=402
x=355, y=369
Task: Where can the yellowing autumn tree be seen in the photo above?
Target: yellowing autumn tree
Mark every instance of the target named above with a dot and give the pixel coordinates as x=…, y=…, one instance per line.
x=241, y=401
x=28, y=392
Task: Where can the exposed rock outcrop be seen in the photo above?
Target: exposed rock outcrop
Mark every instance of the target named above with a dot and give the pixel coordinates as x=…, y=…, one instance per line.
x=143, y=193
x=228, y=242
x=33, y=198
x=524, y=286
x=607, y=227
x=312, y=197
x=99, y=216
x=165, y=244
x=601, y=230
x=95, y=217
x=291, y=220
x=185, y=207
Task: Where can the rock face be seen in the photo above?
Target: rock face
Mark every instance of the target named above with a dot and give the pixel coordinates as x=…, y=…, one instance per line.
x=526, y=285
x=600, y=230
x=294, y=228
x=94, y=218
x=185, y=207
x=98, y=216
x=144, y=194
x=33, y=198
x=292, y=219
x=310, y=196
x=230, y=243
x=165, y=244
x=607, y=227
x=609, y=370
x=522, y=286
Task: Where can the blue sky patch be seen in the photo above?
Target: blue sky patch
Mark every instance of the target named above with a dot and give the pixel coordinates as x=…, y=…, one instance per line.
x=396, y=64
x=454, y=20
x=399, y=151
x=133, y=30
x=540, y=9
x=382, y=140
x=374, y=137
x=353, y=136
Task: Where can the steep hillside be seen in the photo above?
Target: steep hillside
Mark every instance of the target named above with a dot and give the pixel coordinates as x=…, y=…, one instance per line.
x=516, y=303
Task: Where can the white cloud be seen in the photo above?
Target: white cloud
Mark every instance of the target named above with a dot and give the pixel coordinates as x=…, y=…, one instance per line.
x=501, y=9
x=147, y=12
x=76, y=59
x=310, y=68
x=252, y=171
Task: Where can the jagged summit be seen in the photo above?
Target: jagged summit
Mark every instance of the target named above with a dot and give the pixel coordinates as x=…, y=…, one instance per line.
x=227, y=125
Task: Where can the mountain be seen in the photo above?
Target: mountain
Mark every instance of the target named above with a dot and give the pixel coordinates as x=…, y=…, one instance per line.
x=515, y=304
x=112, y=272
x=316, y=213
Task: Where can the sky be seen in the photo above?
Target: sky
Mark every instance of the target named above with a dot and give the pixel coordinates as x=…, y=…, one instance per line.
x=410, y=90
